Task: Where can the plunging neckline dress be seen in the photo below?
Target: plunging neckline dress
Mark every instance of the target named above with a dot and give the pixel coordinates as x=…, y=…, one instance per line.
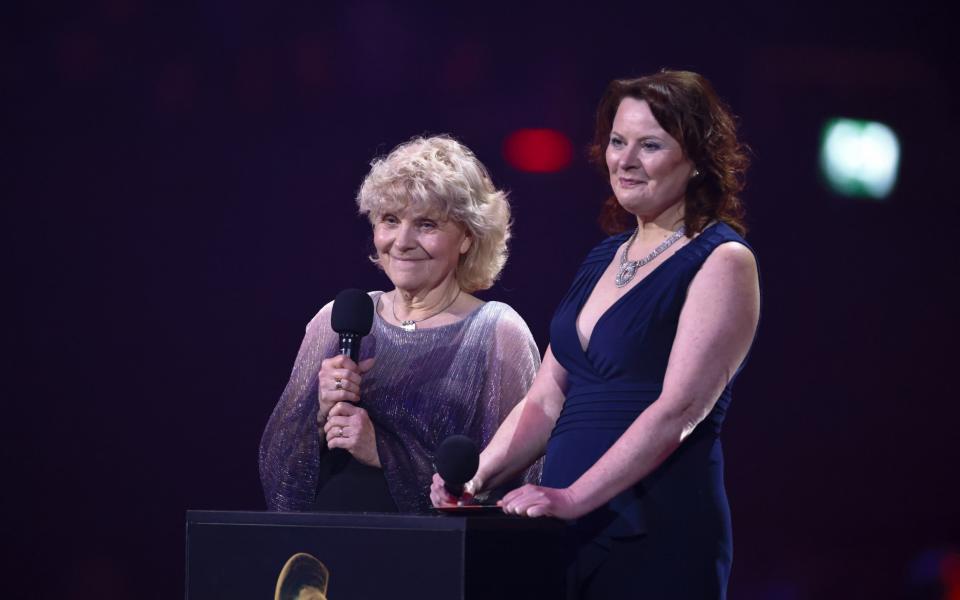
x=675, y=523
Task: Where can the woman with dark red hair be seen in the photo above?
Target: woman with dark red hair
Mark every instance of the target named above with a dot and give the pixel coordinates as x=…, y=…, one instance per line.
x=630, y=398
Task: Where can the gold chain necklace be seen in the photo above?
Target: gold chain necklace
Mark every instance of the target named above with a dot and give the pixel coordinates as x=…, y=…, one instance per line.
x=410, y=324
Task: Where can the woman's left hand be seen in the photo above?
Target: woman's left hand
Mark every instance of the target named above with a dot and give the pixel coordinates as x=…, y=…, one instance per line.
x=349, y=427
x=537, y=501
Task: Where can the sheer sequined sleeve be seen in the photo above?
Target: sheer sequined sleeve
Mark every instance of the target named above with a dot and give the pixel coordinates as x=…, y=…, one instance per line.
x=511, y=367
x=425, y=385
x=290, y=447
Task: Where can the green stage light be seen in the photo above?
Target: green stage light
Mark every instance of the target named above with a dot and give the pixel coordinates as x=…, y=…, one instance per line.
x=859, y=158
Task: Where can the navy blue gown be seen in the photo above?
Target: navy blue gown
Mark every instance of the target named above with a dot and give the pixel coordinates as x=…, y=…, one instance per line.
x=669, y=536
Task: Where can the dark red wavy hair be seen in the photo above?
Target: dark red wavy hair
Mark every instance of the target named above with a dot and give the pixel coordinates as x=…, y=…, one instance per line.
x=686, y=106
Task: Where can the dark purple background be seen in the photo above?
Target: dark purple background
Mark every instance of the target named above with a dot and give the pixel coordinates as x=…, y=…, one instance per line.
x=178, y=202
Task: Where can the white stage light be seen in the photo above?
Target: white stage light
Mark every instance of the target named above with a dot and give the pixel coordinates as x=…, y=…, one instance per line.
x=860, y=158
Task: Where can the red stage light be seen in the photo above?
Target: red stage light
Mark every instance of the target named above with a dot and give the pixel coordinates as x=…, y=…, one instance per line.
x=538, y=150
x=950, y=574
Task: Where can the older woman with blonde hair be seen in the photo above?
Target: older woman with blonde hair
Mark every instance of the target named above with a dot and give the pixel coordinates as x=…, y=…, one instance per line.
x=438, y=361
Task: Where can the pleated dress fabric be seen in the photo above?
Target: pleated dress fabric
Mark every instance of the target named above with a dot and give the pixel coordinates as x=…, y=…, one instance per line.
x=668, y=536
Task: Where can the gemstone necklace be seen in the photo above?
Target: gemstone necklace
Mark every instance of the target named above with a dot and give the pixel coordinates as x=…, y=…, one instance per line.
x=628, y=268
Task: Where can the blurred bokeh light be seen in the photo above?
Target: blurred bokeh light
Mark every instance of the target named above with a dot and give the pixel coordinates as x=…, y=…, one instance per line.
x=860, y=158
x=538, y=150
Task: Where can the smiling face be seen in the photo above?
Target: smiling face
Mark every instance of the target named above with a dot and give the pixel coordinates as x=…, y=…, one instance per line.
x=648, y=169
x=418, y=251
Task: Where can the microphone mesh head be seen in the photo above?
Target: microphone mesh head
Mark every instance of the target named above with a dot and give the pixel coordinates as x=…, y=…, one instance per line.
x=352, y=312
x=457, y=459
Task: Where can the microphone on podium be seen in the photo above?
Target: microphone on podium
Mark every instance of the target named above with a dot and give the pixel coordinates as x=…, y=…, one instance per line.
x=457, y=460
x=352, y=318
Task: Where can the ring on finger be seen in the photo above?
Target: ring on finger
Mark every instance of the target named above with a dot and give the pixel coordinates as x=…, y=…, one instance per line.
x=340, y=432
x=338, y=384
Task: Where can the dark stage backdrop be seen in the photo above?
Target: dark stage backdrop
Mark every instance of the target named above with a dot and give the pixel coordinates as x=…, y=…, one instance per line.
x=177, y=200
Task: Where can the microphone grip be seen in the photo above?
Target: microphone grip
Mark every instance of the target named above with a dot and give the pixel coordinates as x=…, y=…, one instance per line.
x=454, y=489
x=350, y=346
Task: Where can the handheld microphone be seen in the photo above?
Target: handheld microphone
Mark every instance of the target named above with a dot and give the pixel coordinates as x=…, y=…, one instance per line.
x=352, y=318
x=457, y=460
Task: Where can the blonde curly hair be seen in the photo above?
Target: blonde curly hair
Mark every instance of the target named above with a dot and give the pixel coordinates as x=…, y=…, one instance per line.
x=441, y=177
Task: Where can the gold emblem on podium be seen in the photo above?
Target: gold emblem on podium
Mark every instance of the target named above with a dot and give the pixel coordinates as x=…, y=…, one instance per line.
x=304, y=577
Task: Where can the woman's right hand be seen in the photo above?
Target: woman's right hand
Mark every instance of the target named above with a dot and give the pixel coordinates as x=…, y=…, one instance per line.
x=339, y=381
x=441, y=498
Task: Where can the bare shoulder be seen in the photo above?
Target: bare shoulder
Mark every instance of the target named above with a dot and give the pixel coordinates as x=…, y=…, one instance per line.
x=732, y=262
x=734, y=255
x=726, y=290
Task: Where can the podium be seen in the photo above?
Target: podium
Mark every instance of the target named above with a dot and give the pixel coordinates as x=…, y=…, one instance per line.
x=240, y=555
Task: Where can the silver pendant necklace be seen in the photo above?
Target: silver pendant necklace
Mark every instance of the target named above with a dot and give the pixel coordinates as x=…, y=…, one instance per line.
x=628, y=268
x=411, y=324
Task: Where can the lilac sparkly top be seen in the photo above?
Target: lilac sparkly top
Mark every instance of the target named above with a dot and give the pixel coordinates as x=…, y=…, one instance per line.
x=461, y=378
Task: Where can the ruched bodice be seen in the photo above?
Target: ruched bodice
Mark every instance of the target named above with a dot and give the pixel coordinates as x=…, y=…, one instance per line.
x=631, y=342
